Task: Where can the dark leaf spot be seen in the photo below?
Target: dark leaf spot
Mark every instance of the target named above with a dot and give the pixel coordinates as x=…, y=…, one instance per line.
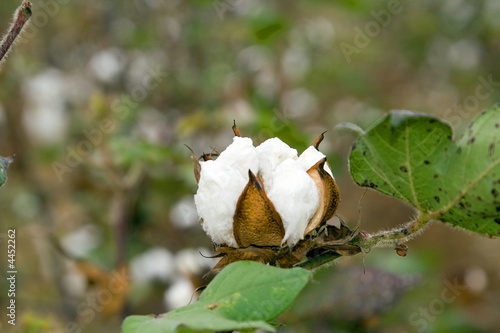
x=497, y=221
x=436, y=175
x=459, y=150
x=427, y=162
x=497, y=125
x=353, y=146
x=403, y=168
x=471, y=140
x=437, y=199
x=373, y=185
x=492, y=148
x=494, y=192
x=461, y=205
x=364, y=152
x=432, y=121
x=440, y=189
x=498, y=208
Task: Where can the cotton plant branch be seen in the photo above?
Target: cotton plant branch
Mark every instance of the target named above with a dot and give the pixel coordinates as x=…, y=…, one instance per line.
x=362, y=242
x=21, y=17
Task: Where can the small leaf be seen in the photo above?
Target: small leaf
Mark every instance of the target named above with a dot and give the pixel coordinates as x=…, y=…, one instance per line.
x=244, y=295
x=4, y=163
x=412, y=157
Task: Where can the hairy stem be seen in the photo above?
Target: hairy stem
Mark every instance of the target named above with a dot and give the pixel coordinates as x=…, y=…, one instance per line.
x=365, y=241
x=21, y=16
x=395, y=236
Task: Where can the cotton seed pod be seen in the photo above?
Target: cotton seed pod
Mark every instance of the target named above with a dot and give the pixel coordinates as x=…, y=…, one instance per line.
x=265, y=195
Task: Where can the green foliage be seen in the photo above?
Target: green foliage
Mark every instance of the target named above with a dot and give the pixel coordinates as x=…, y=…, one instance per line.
x=245, y=295
x=412, y=157
x=4, y=163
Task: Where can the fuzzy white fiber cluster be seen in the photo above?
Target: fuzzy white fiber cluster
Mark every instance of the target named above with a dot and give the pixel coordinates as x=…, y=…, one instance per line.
x=287, y=184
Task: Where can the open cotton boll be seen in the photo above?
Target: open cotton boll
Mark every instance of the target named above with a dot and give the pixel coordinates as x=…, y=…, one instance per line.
x=295, y=197
x=310, y=157
x=272, y=153
x=218, y=192
x=241, y=154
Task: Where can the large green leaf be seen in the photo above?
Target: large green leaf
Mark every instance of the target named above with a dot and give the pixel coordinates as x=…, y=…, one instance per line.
x=412, y=157
x=244, y=295
x=4, y=162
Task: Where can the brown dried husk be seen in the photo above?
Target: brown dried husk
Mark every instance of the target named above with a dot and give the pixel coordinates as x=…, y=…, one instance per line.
x=325, y=240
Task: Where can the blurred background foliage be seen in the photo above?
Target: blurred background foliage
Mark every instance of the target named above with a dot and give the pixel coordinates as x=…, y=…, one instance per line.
x=99, y=98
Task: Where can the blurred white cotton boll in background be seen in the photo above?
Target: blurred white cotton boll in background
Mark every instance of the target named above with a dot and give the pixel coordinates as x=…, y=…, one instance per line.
x=107, y=64
x=44, y=112
x=79, y=242
x=152, y=125
x=299, y=103
x=295, y=63
x=465, y=54
x=180, y=293
x=320, y=32
x=74, y=281
x=155, y=264
x=183, y=213
x=190, y=262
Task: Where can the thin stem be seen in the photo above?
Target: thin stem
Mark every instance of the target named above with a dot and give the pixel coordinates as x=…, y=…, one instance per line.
x=366, y=241
x=395, y=236
x=21, y=16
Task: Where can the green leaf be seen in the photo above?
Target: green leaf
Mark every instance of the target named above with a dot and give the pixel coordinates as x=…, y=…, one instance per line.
x=244, y=295
x=4, y=163
x=412, y=157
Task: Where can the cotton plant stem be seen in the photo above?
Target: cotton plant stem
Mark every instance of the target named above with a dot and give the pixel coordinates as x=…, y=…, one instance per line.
x=395, y=236
x=366, y=241
x=21, y=17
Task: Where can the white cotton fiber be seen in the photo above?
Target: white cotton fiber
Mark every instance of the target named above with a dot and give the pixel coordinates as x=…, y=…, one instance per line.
x=241, y=155
x=219, y=189
x=310, y=157
x=272, y=153
x=295, y=197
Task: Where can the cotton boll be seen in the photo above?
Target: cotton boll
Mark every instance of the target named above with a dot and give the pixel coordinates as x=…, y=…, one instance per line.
x=241, y=154
x=310, y=157
x=295, y=197
x=154, y=264
x=191, y=262
x=271, y=153
x=219, y=189
x=179, y=294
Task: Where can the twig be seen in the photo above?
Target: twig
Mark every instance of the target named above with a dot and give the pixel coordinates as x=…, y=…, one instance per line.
x=395, y=236
x=365, y=241
x=21, y=16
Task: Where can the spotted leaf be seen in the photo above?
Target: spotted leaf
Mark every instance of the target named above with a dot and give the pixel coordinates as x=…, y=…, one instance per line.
x=413, y=157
